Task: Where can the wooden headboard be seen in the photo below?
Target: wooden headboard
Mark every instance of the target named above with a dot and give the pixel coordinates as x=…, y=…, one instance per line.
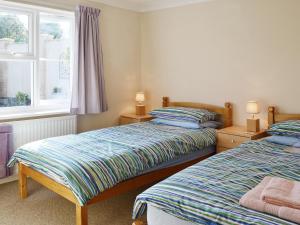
x=225, y=112
x=274, y=116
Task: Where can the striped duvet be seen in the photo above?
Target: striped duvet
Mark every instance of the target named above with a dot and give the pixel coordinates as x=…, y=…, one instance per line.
x=290, y=128
x=209, y=192
x=92, y=162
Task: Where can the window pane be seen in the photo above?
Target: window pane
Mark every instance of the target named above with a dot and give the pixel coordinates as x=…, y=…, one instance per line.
x=55, y=37
x=55, y=59
x=15, y=83
x=54, y=82
x=14, y=32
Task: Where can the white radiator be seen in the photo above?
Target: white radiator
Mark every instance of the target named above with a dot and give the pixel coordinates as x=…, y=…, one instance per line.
x=26, y=131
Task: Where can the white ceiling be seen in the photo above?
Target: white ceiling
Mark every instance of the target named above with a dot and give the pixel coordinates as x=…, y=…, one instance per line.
x=148, y=5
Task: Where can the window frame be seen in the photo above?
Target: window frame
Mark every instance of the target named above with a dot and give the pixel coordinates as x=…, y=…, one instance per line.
x=33, y=56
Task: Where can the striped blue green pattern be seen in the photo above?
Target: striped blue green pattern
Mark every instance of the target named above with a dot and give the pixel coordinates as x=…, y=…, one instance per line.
x=289, y=128
x=92, y=162
x=209, y=192
x=184, y=113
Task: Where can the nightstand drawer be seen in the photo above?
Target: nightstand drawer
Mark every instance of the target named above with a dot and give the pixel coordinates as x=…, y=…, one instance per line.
x=230, y=141
x=133, y=118
x=125, y=120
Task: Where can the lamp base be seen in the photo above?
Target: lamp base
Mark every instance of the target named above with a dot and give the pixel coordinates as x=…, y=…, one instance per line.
x=253, y=125
x=140, y=110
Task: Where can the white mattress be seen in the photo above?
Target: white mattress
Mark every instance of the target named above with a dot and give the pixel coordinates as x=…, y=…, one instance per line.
x=156, y=216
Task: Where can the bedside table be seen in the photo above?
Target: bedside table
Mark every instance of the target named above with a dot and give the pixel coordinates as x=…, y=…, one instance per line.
x=133, y=118
x=231, y=137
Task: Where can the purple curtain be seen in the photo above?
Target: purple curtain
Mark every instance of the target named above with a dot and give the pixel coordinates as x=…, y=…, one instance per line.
x=88, y=95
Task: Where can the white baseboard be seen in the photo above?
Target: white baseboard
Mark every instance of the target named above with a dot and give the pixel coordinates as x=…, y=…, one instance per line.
x=8, y=179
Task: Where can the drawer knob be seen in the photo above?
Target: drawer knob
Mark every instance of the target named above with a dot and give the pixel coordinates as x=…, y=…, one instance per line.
x=233, y=141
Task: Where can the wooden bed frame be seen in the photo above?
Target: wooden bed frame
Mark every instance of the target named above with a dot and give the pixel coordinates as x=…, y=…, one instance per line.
x=273, y=117
x=126, y=186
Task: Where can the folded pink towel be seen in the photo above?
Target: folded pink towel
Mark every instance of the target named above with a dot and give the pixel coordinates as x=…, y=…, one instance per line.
x=282, y=192
x=252, y=199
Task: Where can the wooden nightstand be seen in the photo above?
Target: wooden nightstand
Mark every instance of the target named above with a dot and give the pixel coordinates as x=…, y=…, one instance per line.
x=231, y=137
x=132, y=118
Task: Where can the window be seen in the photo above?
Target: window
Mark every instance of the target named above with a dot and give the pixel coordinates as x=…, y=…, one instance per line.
x=36, y=52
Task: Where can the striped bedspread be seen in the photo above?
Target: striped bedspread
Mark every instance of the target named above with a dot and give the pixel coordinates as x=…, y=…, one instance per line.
x=92, y=162
x=209, y=192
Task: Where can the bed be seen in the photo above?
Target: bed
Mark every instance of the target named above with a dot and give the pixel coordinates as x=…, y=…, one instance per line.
x=209, y=192
x=93, y=166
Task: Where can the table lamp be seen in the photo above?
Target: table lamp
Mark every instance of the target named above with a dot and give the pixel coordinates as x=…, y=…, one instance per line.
x=140, y=107
x=252, y=124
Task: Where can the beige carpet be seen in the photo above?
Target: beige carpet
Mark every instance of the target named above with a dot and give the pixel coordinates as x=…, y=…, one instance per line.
x=43, y=207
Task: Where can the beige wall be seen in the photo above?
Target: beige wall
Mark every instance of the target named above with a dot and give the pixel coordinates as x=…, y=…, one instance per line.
x=224, y=50
x=120, y=30
x=216, y=51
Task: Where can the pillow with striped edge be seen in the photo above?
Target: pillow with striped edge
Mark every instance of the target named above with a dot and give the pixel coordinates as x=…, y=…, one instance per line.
x=184, y=114
x=289, y=128
x=177, y=123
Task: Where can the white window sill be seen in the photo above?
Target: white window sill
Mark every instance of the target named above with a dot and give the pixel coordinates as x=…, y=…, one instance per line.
x=32, y=114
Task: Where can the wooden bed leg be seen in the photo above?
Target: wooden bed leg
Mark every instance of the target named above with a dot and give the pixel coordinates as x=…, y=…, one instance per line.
x=22, y=182
x=138, y=222
x=81, y=215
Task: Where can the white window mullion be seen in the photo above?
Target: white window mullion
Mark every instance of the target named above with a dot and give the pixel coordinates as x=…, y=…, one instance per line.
x=36, y=86
x=31, y=27
x=72, y=61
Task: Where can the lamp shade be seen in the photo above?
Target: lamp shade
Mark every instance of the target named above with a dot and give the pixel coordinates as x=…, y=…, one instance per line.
x=140, y=97
x=252, y=107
